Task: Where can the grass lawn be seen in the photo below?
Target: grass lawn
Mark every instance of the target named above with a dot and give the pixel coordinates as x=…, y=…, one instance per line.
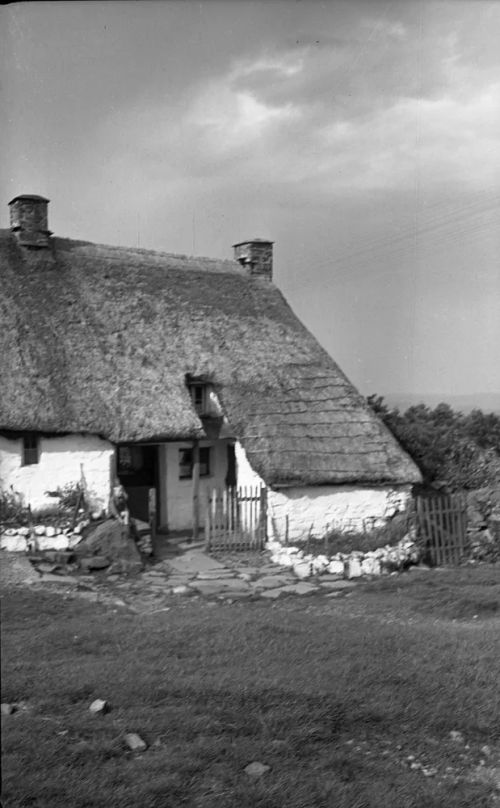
x=343, y=698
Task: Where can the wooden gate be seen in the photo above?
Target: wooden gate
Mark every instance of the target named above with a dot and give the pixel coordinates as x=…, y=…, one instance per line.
x=236, y=519
x=442, y=527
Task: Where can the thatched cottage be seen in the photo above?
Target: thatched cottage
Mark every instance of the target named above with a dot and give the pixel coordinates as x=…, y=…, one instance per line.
x=177, y=375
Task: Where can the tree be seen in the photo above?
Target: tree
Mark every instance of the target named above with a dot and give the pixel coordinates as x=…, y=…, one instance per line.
x=450, y=448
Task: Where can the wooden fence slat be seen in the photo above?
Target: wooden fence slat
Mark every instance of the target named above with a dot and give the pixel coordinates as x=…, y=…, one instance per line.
x=235, y=518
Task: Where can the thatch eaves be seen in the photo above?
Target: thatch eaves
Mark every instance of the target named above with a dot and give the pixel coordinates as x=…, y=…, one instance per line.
x=100, y=340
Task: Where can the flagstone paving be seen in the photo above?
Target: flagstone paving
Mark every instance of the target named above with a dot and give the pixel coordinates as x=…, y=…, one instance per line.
x=192, y=574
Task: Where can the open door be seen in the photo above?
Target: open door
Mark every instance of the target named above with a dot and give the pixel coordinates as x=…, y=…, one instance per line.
x=137, y=468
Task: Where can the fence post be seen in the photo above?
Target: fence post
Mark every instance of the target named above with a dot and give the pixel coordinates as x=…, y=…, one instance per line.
x=207, y=523
x=196, y=487
x=263, y=516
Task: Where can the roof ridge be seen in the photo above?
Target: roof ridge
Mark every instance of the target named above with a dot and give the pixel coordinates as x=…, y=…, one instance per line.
x=146, y=251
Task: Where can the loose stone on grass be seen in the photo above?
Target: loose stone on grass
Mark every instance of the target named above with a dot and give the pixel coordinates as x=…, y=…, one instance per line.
x=256, y=769
x=134, y=742
x=99, y=707
x=8, y=709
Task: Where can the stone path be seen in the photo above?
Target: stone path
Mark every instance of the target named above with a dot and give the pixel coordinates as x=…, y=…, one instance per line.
x=195, y=574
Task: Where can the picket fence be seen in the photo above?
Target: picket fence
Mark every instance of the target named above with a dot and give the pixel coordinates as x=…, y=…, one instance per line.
x=236, y=518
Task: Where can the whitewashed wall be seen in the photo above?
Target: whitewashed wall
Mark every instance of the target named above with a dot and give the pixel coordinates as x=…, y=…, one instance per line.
x=176, y=496
x=319, y=508
x=59, y=463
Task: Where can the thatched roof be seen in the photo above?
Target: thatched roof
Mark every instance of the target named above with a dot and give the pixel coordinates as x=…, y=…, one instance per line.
x=98, y=339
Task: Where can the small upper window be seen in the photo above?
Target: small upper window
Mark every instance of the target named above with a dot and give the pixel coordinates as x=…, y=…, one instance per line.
x=199, y=397
x=30, y=450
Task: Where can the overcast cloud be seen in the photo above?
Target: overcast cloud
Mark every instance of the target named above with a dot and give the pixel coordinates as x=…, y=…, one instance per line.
x=362, y=137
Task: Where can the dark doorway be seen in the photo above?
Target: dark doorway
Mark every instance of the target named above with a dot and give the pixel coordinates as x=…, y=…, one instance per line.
x=138, y=473
x=231, y=466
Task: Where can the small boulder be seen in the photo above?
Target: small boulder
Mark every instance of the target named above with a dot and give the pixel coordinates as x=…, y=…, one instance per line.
x=134, y=742
x=8, y=709
x=50, y=531
x=44, y=566
x=353, y=568
x=13, y=544
x=336, y=567
x=370, y=566
x=256, y=769
x=302, y=569
x=456, y=736
x=99, y=707
x=111, y=539
x=40, y=530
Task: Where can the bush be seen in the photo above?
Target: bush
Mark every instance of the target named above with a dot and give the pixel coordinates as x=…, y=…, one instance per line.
x=68, y=496
x=456, y=451
x=12, y=509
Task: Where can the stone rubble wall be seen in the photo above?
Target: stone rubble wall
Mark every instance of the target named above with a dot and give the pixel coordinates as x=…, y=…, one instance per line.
x=22, y=539
x=348, y=565
x=59, y=537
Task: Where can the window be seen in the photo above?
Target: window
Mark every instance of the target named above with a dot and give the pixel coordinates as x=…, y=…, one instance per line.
x=186, y=463
x=199, y=397
x=30, y=450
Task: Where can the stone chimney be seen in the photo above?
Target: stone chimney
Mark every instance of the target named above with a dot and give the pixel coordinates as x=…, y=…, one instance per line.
x=257, y=255
x=29, y=221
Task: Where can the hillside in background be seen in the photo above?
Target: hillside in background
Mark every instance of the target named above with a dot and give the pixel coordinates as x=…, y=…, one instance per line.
x=487, y=402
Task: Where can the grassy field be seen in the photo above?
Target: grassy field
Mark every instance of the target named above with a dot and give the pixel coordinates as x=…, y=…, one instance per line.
x=350, y=701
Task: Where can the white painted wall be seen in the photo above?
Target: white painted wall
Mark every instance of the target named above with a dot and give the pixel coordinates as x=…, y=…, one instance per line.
x=177, y=495
x=59, y=464
x=324, y=507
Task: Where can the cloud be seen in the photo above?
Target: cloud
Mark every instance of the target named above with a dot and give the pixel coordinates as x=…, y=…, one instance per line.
x=305, y=122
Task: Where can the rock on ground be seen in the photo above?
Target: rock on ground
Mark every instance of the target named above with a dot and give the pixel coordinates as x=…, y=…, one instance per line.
x=256, y=769
x=134, y=742
x=111, y=539
x=99, y=706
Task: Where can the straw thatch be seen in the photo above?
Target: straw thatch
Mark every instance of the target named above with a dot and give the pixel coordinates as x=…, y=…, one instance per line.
x=100, y=340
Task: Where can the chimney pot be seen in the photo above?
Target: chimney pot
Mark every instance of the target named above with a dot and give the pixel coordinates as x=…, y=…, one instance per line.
x=257, y=255
x=29, y=220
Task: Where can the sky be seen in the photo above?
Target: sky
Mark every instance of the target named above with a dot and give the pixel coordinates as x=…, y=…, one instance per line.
x=363, y=138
